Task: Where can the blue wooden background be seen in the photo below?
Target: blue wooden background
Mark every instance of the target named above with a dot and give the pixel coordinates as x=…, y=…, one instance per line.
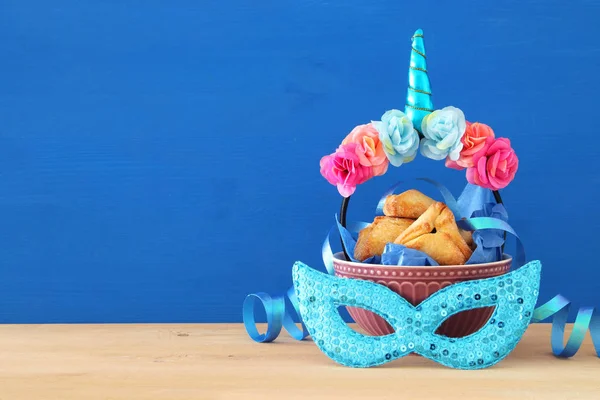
x=159, y=159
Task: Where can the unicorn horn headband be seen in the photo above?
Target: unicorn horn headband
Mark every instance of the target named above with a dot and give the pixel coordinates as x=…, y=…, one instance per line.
x=418, y=96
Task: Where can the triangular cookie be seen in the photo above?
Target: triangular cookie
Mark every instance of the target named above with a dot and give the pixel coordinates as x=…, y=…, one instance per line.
x=436, y=234
x=383, y=230
x=409, y=204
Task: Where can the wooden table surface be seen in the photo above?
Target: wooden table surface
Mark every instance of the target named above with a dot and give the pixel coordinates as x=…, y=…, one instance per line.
x=219, y=361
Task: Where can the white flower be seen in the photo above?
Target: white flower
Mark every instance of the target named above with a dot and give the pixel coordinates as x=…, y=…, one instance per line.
x=399, y=138
x=443, y=130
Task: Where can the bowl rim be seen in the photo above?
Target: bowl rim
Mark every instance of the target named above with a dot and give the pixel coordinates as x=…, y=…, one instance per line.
x=339, y=257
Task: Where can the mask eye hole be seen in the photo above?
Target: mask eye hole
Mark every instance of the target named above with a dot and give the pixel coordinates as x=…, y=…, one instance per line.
x=371, y=323
x=465, y=323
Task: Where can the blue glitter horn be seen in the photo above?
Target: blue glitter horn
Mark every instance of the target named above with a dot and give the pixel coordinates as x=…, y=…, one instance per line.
x=418, y=96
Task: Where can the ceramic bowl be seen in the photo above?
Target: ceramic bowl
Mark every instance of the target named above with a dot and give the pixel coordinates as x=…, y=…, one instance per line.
x=415, y=284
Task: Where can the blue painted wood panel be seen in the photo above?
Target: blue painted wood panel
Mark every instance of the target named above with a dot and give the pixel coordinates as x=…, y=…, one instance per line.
x=159, y=159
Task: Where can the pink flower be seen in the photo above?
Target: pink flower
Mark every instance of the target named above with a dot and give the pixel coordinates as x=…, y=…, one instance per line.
x=343, y=169
x=477, y=139
x=496, y=168
x=370, y=151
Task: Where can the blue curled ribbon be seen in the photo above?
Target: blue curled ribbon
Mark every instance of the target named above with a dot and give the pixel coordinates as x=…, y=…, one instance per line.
x=278, y=315
x=587, y=318
x=479, y=223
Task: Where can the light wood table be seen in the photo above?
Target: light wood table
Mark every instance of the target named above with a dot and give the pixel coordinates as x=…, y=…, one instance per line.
x=87, y=362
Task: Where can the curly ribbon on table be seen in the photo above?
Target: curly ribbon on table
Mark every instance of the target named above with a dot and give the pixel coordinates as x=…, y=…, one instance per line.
x=279, y=315
x=587, y=318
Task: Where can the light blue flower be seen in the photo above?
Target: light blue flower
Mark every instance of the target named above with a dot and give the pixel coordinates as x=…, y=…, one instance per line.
x=443, y=130
x=399, y=138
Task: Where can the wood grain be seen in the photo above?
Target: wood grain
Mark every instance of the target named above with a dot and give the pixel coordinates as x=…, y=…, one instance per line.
x=219, y=361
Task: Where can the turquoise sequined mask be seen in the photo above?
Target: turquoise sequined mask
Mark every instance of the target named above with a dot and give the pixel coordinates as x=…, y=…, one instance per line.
x=513, y=295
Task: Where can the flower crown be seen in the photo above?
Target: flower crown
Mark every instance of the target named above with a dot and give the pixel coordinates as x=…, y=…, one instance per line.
x=444, y=134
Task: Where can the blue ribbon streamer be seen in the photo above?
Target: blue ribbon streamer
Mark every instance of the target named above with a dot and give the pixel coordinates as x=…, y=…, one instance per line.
x=327, y=253
x=587, y=319
x=278, y=315
x=479, y=223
